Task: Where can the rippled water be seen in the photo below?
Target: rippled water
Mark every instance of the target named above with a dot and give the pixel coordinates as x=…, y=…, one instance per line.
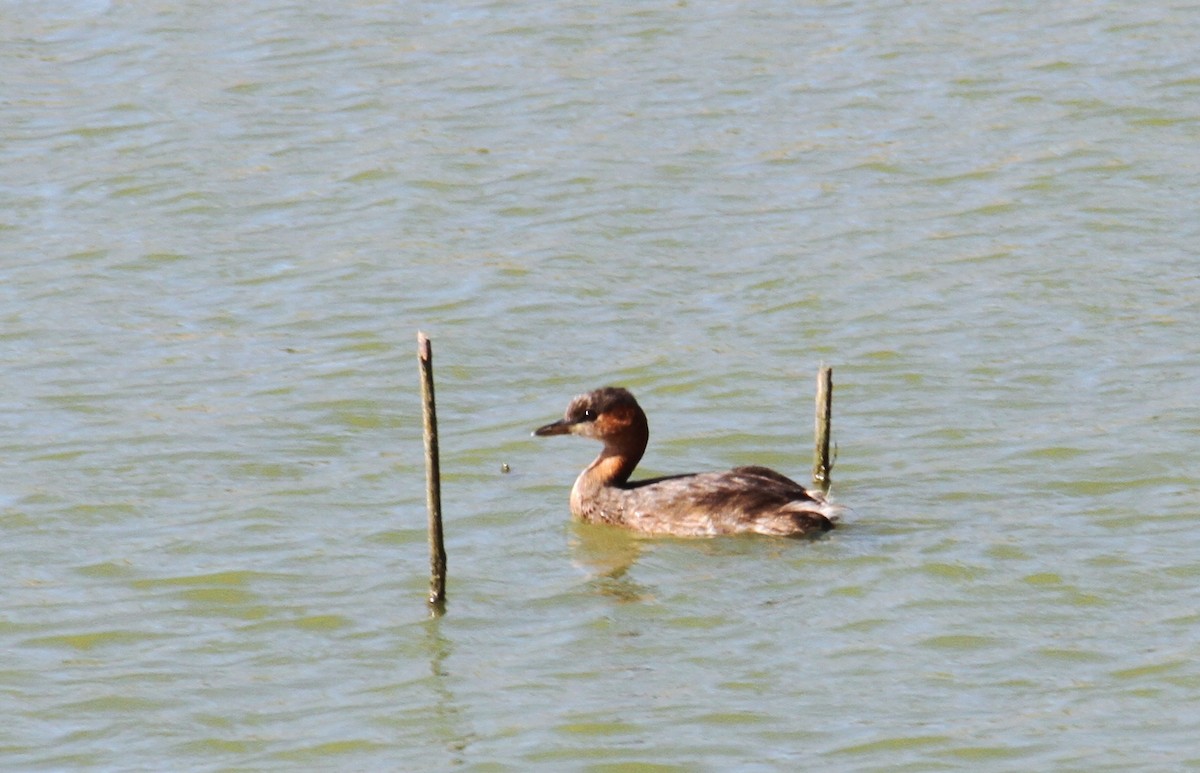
x=222, y=225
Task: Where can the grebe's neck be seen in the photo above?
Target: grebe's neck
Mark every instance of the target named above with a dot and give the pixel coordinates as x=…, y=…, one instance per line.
x=620, y=456
x=611, y=469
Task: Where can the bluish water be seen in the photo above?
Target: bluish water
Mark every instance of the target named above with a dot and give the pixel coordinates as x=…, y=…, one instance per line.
x=221, y=227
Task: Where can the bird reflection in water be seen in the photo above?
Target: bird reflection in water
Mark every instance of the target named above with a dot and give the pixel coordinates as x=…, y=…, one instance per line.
x=607, y=555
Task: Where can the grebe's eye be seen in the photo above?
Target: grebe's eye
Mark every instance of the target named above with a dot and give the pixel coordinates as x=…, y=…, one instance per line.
x=589, y=414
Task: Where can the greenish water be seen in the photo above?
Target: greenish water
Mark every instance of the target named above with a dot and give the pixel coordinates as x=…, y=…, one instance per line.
x=221, y=227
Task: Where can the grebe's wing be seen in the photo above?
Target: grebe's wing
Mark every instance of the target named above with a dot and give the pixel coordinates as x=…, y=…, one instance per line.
x=766, y=473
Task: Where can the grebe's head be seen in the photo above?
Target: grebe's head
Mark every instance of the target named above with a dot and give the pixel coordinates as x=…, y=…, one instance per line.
x=606, y=413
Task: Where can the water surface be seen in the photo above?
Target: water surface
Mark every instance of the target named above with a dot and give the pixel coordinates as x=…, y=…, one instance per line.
x=221, y=228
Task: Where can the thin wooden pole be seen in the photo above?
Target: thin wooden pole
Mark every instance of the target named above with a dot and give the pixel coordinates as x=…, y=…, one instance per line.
x=433, y=482
x=821, y=462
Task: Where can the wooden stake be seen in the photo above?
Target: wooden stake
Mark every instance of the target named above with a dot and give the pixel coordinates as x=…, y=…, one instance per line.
x=821, y=462
x=433, y=482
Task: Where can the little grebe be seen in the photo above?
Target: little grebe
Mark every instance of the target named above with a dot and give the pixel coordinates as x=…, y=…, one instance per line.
x=742, y=500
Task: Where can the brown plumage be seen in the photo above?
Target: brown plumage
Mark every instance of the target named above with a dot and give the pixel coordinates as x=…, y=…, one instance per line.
x=743, y=500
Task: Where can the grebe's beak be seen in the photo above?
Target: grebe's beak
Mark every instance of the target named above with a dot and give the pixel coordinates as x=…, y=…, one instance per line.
x=560, y=427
